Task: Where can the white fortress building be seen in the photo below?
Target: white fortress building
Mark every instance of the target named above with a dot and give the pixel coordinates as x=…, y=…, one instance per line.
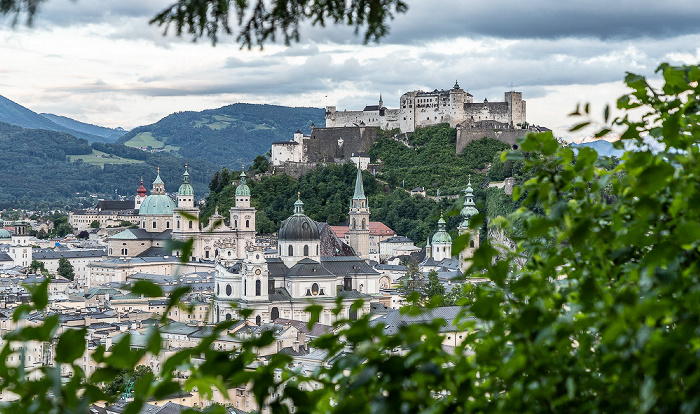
x=421, y=109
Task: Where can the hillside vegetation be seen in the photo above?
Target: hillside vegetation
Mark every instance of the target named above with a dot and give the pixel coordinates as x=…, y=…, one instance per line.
x=42, y=169
x=327, y=190
x=227, y=136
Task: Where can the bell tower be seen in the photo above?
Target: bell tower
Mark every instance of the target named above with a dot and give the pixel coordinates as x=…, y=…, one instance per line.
x=358, y=233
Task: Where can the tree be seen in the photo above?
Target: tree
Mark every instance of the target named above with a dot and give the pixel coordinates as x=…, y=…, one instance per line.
x=83, y=234
x=119, y=384
x=258, y=21
x=65, y=269
x=412, y=284
x=434, y=289
x=96, y=224
x=37, y=265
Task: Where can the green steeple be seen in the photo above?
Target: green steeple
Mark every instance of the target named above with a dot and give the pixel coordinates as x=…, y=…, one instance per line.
x=359, y=188
x=242, y=189
x=442, y=236
x=186, y=189
x=158, y=185
x=469, y=209
x=298, y=205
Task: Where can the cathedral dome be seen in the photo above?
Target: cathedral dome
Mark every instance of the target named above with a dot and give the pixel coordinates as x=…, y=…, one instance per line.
x=298, y=227
x=242, y=189
x=157, y=204
x=442, y=236
x=4, y=234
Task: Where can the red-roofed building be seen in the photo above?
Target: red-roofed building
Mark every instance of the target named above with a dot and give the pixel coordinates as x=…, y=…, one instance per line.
x=378, y=232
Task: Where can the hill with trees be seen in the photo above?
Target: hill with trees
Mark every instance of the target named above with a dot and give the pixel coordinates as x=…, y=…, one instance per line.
x=228, y=136
x=42, y=169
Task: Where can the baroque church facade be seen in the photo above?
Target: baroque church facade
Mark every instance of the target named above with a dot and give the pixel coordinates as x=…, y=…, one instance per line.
x=283, y=286
x=161, y=219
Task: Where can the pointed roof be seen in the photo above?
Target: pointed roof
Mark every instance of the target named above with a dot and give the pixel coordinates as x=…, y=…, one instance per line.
x=141, y=191
x=469, y=208
x=186, y=189
x=158, y=180
x=359, y=188
x=242, y=189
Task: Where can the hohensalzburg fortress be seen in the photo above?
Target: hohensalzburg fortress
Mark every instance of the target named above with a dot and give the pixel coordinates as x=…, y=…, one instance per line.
x=421, y=109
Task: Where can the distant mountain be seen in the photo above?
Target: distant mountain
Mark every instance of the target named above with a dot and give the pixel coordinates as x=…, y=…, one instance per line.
x=602, y=147
x=42, y=168
x=109, y=134
x=227, y=136
x=16, y=114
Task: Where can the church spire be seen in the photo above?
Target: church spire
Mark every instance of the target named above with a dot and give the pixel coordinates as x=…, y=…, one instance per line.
x=359, y=188
x=158, y=185
x=298, y=205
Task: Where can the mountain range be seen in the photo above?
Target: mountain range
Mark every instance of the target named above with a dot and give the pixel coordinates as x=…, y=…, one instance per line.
x=16, y=114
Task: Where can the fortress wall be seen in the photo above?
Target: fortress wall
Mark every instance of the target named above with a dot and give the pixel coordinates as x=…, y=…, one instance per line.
x=467, y=135
x=338, y=144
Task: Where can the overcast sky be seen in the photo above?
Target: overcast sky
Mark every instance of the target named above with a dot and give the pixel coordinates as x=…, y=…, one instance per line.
x=100, y=62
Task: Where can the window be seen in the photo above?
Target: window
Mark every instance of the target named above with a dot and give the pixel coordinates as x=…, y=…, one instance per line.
x=247, y=223
x=206, y=254
x=235, y=224
x=190, y=223
x=471, y=243
x=167, y=224
x=258, y=287
x=314, y=289
x=228, y=290
x=154, y=224
x=291, y=250
x=306, y=250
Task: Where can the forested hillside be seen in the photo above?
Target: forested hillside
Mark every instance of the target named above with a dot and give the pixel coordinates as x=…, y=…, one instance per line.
x=430, y=161
x=109, y=134
x=227, y=136
x=42, y=169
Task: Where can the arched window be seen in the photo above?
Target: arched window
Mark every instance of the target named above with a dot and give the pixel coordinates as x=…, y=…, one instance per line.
x=317, y=250
x=354, y=223
x=471, y=243
x=167, y=224
x=306, y=250
x=314, y=289
x=177, y=224
x=258, y=320
x=190, y=223
x=247, y=223
x=228, y=316
x=235, y=224
x=274, y=313
x=228, y=290
x=364, y=224
x=258, y=288
x=291, y=250
x=245, y=287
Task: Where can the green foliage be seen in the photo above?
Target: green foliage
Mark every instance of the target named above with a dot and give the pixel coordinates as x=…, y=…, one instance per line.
x=39, y=170
x=96, y=224
x=65, y=269
x=38, y=265
x=412, y=285
x=119, y=384
x=433, y=287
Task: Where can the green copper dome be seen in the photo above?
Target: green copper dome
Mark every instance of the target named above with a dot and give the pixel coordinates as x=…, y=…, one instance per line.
x=186, y=189
x=243, y=189
x=442, y=236
x=157, y=204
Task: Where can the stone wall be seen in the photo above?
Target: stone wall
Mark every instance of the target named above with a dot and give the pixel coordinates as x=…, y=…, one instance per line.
x=338, y=144
x=467, y=135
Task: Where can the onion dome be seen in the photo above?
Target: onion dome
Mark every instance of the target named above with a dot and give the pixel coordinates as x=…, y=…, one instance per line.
x=158, y=203
x=242, y=189
x=442, y=236
x=186, y=189
x=469, y=209
x=298, y=227
x=141, y=191
x=4, y=234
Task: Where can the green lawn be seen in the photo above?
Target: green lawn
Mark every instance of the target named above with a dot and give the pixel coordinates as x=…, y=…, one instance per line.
x=101, y=158
x=144, y=139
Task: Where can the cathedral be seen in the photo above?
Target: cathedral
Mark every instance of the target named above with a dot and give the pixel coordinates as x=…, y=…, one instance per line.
x=298, y=276
x=162, y=219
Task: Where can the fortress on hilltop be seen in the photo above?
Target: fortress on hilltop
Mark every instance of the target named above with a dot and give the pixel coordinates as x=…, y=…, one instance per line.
x=421, y=109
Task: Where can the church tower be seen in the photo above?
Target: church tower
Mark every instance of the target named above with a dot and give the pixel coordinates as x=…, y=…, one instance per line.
x=468, y=211
x=358, y=234
x=186, y=214
x=141, y=194
x=442, y=242
x=242, y=217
